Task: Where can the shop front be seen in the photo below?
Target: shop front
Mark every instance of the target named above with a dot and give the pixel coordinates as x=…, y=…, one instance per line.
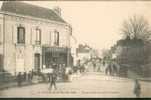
x=54, y=56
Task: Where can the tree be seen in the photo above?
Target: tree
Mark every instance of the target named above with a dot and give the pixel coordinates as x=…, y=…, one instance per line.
x=136, y=27
x=137, y=32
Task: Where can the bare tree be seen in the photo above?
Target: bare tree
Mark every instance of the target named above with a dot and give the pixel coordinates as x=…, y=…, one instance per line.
x=136, y=27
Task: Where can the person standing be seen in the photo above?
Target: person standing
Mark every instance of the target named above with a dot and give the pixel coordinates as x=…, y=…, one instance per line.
x=114, y=69
x=94, y=66
x=29, y=76
x=53, y=80
x=50, y=73
x=110, y=68
x=137, y=88
x=24, y=76
x=106, y=71
x=19, y=79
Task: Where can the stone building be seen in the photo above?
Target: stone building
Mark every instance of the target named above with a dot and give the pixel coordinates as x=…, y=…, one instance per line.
x=32, y=37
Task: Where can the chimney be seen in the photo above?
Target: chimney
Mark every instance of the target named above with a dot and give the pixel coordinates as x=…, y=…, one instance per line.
x=57, y=10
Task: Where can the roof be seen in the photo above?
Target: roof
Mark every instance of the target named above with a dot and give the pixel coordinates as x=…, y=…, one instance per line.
x=130, y=42
x=22, y=8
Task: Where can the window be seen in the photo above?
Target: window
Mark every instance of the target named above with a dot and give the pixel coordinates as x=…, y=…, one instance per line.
x=0, y=35
x=38, y=36
x=56, y=38
x=21, y=35
x=50, y=38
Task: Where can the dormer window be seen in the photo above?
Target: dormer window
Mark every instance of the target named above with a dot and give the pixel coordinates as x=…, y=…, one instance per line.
x=38, y=36
x=20, y=35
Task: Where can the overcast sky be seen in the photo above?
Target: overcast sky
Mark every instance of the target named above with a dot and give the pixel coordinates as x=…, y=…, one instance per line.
x=98, y=23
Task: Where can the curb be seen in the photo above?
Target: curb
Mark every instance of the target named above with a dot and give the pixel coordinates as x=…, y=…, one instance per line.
x=15, y=85
x=25, y=84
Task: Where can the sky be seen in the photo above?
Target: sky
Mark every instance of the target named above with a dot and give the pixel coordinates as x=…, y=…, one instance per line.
x=98, y=23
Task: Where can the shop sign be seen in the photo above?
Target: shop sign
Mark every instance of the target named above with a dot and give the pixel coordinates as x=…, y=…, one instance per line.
x=56, y=49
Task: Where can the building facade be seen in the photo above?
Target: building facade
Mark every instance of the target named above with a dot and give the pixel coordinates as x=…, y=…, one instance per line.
x=32, y=37
x=83, y=53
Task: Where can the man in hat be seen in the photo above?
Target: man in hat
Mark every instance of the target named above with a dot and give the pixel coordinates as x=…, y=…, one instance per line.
x=137, y=89
x=53, y=80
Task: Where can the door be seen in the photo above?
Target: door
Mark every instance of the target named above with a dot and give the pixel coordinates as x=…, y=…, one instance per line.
x=37, y=62
x=1, y=62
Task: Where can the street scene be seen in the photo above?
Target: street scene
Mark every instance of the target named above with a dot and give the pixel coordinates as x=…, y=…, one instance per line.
x=75, y=49
x=94, y=85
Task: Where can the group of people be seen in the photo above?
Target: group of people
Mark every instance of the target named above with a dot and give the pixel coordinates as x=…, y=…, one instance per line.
x=22, y=77
x=60, y=72
x=111, y=69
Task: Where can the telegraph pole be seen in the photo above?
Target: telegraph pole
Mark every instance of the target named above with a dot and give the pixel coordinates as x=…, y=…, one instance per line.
x=68, y=52
x=3, y=42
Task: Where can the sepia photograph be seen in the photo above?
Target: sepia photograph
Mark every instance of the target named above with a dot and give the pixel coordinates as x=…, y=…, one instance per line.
x=75, y=49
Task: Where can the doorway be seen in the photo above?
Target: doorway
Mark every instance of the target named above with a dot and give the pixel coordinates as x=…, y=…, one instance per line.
x=37, y=62
x=1, y=62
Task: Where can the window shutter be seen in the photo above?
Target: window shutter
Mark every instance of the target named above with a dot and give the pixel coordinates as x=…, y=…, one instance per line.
x=24, y=35
x=1, y=34
x=58, y=38
x=14, y=31
x=52, y=38
x=30, y=35
x=33, y=32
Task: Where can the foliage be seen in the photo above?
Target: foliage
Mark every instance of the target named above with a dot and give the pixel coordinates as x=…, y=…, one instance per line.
x=136, y=27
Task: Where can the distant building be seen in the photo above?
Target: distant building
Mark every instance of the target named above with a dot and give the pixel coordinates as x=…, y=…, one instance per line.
x=73, y=50
x=83, y=52
x=130, y=55
x=32, y=37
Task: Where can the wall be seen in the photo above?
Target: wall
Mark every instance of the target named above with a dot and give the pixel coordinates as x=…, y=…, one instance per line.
x=1, y=42
x=1, y=34
x=21, y=57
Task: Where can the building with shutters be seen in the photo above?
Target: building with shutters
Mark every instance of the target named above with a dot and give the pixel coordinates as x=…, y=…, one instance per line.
x=32, y=37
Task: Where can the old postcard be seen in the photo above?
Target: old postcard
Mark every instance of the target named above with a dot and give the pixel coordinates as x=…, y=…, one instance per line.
x=72, y=49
